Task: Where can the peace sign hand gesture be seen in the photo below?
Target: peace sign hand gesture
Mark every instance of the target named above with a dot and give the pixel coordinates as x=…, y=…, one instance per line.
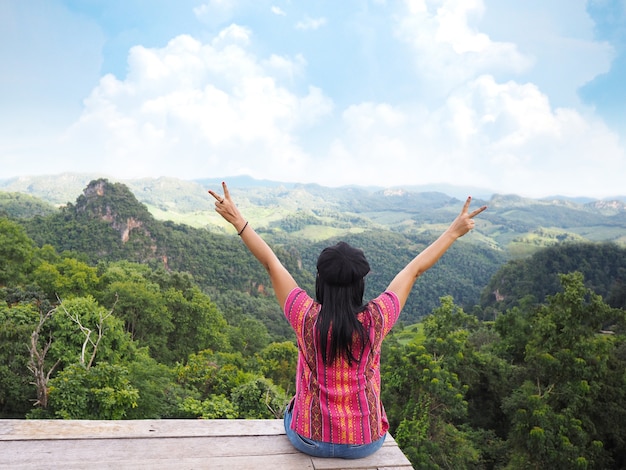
x=464, y=222
x=226, y=207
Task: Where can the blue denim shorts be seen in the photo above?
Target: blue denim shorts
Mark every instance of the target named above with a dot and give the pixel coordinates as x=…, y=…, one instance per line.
x=328, y=449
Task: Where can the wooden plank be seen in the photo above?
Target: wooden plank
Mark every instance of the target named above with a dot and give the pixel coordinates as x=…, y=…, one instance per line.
x=161, y=444
x=283, y=461
x=211, y=452
x=93, y=429
x=150, y=448
x=383, y=458
x=274, y=462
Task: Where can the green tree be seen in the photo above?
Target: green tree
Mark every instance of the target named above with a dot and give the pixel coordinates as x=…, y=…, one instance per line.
x=146, y=317
x=101, y=392
x=554, y=413
x=159, y=393
x=278, y=363
x=603, y=266
x=16, y=326
x=248, y=335
x=259, y=398
x=67, y=277
x=197, y=323
x=242, y=309
x=180, y=317
x=16, y=253
x=427, y=396
x=213, y=373
x=86, y=333
x=214, y=407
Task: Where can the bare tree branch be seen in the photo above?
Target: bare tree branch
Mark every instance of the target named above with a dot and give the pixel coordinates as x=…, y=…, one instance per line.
x=87, y=332
x=37, y=362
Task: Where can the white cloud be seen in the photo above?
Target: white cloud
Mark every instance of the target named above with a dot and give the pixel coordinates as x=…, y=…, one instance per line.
x=286, y=67
x=530, y=145
x=311, y=24
x=500, y=136
x=278, y=11
x=564, y=47
x=233, y=34
x=477, y=131
x=448, y=50
x=216, y=12
x=192, y=109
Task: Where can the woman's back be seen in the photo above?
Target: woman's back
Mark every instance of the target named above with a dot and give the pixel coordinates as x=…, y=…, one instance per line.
x=339, y=401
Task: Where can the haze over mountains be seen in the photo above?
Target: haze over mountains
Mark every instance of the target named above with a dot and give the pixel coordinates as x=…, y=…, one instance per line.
x=514, y=224
x=67, y=186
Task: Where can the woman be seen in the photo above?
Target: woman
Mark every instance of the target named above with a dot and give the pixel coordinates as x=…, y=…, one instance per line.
x=336, y=411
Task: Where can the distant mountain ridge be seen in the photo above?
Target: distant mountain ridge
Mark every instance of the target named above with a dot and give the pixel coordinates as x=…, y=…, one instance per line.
x=515, y=224
x=108, y=222
x=66, y=187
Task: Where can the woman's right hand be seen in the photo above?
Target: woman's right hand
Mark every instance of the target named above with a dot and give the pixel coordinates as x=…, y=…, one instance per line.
x=282, y=281
x=226, y=207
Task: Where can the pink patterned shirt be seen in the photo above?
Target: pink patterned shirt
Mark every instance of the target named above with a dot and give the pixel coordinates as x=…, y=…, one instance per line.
x=339, y=403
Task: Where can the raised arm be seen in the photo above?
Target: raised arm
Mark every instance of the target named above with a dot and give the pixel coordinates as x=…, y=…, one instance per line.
x=404, y=280
x=282, y=281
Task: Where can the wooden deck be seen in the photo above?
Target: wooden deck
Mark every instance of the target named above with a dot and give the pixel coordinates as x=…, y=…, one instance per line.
x=168, y=444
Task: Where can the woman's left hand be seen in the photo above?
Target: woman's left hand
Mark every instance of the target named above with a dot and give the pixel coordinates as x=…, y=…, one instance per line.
x=465, y=220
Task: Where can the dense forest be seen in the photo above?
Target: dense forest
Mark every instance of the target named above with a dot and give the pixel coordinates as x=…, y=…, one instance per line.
x=108, y=223
x=107, y=313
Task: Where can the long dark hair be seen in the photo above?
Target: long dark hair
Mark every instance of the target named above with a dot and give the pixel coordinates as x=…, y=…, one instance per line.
x=340, y=305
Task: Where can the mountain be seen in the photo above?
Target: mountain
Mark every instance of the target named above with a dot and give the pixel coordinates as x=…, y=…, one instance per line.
x=532, y=279
x=112, y=221
x=105, y=222
x=516, y=225
x=20, y=205
x=173, y=193
x=108, y=223
x=62, y=188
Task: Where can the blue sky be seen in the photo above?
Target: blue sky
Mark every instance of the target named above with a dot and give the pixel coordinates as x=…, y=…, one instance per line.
x=514, y=97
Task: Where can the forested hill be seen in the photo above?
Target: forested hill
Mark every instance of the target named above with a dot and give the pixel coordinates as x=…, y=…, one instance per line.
x=107, y=223
x=20, y=205
x=516, y=225
x=171, y=223
x=533, y=279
